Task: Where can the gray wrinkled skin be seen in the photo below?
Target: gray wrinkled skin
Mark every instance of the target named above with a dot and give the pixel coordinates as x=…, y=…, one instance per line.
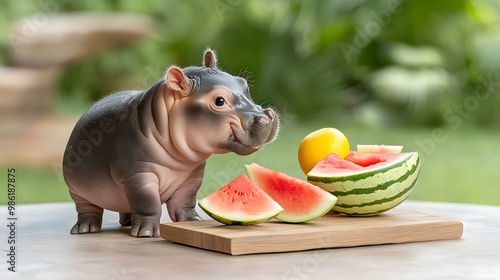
x=132, y=151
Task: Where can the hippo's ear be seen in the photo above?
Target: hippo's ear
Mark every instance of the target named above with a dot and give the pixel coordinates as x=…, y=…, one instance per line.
x=177, y=81
x=210, y=58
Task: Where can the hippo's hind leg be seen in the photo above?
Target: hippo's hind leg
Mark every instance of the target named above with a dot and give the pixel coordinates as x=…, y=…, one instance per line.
x=126, y=219
x=87, y=223
x=89, y=216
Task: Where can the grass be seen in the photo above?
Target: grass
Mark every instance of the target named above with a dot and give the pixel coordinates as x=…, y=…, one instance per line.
x=36, y=185
x=457, y=166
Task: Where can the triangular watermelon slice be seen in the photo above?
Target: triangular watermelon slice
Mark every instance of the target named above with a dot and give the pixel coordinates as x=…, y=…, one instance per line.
x=240, y=202
x=301, y=200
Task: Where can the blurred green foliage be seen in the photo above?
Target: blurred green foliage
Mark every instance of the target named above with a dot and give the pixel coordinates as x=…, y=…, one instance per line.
x=321, y=62
x=380, y=62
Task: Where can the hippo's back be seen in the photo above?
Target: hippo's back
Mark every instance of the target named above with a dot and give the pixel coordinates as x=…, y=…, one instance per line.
x=90, y=144
x=113, y=107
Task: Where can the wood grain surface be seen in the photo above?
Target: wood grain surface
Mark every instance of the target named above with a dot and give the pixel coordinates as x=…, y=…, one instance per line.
x=329, y=231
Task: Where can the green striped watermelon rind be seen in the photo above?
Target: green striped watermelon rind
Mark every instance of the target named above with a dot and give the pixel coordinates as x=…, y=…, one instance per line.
x=372, y=192
x=358, y=175
x=322, y=208
x=236, y=220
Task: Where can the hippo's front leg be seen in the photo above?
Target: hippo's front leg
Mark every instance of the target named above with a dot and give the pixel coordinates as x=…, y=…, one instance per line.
x=181, y=205
x=142, y=194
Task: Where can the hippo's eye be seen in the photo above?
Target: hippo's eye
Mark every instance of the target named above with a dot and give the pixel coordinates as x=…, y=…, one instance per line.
x=220, y=101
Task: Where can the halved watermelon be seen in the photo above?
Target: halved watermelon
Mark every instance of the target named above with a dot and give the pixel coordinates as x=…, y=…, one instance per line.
x=300, y=200
x=240, y=202
x=367, y=184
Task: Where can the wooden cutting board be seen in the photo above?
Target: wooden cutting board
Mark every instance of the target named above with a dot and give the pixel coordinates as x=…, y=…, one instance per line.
x=329, y=231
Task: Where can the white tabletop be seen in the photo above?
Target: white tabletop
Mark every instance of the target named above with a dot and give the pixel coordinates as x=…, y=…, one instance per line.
x=46, y=250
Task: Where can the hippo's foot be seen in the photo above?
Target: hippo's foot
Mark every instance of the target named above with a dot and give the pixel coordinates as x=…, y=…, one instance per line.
x=145, y=226
x=87, y=223
x=183, y=214
x=125, y=219
x=181, y=205
x=188, y=215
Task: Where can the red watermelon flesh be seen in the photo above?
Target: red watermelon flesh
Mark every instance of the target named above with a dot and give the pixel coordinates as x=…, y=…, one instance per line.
x=354, y=162
x=369, y=159
x=240, y=202
x=334, y=162
x=301, y=200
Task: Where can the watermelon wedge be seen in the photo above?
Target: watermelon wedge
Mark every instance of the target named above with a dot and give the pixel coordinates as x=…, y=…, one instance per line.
x=367, y=184
x=240, y=202
x=300, y=200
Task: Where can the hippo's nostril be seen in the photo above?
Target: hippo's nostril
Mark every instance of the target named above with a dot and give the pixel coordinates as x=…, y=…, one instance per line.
x=264, y=120
x=270, y=113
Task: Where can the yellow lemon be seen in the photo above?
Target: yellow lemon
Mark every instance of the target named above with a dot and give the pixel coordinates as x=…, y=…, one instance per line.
x=320, y=143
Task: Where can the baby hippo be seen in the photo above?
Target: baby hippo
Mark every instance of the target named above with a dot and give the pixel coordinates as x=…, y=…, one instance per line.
x=132, y=151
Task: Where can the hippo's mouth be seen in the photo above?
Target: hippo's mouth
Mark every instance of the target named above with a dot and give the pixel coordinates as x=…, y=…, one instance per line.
x=236, y=145
x=244, y=142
